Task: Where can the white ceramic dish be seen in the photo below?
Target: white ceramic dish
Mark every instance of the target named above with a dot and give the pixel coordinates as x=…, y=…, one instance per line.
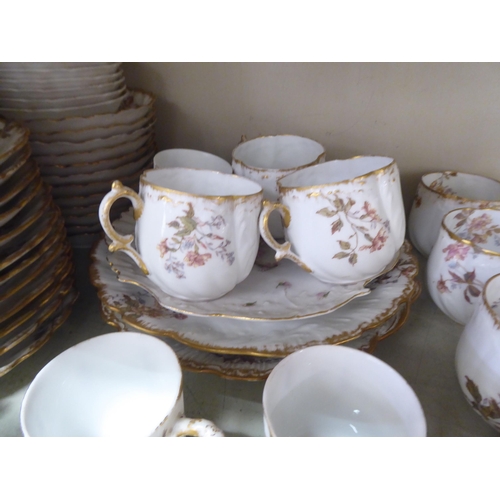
x=23, y=115
x=98, y=154
x=75, y=101
x=41, y=335
x=55, y=84
x=270, y=292
x=110, y=174
x=52, y=72
x=88, y=90
x=92, y=133
x=98, y=166
x=137, y=105
x=241, y=367
x=15, y=163
x=268, y=339
x=63, y=148
x=12, y=138
x=26, y=174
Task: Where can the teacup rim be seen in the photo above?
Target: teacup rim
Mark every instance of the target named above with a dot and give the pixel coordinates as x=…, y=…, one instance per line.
x=455, y=237
x=455, y=196
x=144, y=182
x=290, y=169
x=375, y=172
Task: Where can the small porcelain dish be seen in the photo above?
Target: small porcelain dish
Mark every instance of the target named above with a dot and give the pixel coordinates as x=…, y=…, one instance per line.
x=440, y=192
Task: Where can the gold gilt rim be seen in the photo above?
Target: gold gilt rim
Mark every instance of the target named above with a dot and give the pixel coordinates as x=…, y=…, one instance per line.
x=62, y=250
x=40, y=301
x=39, y=212
x=56, y=323
x=36, y=239
x=489, y=308
x=132, y=91
x=221, y=198
x=19, y=185
x=6, y=174
x=362, y=292
x=455, y=196
x=379, y=319
x=31, y=192
x=59, y=296
x=455, y=237
x=253, y=375
x=147, y=117
x=49, y=243
x=372, y=173
x=62, y=271
x=23, y=140
x=267, y=170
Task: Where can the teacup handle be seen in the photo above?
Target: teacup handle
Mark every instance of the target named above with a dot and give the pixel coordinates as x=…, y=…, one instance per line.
x=196, y=427
x=282, y=250
x=120, y=242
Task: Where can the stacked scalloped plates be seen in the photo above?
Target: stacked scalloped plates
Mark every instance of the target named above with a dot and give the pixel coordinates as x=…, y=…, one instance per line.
x=87, y=129
x=36, y=269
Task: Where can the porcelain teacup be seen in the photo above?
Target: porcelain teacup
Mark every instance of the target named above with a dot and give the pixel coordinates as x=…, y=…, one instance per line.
x=267, y=159
x=124, y=384
x=441, y=192
x=333, y=390
x=465, y=256
x=344, y=219
x=191, y=158
x=477, y=358
x=196, y=231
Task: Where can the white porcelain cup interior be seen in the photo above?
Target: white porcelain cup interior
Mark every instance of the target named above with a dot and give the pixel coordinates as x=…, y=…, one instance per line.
x=267, y=159
x=440, y=192
x=120, y=384
x=344, y=219
x=191, y=158
x=465, y=255
x=196, y=232
x=339, y=391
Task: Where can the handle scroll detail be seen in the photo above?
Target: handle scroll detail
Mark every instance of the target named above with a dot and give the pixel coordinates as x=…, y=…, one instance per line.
x=120, y=242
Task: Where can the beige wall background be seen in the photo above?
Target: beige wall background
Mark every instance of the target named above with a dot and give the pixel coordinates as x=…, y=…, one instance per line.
x=428, y=116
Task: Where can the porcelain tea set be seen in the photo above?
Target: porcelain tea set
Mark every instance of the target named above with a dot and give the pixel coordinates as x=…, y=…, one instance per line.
x=197, y=231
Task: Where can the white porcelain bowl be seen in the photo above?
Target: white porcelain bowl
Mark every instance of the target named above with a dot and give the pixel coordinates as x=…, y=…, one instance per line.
x=333, y=390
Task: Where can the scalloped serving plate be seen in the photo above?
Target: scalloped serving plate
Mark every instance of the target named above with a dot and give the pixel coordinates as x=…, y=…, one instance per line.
x=275, y=339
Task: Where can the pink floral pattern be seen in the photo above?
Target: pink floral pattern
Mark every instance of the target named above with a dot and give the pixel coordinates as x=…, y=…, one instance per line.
x=195, y=241
x=363, y=222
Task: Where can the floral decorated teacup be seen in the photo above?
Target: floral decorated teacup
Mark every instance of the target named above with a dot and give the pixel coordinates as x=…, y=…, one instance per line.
x=344, y=219
x=196, y=233
x=477, y=357
x=267, y=159
x=440, y=192
x=465, y=256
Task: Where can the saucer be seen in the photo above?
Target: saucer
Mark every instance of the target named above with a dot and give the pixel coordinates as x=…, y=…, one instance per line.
x=272, y=291
x=274, y=339
x=253, y=368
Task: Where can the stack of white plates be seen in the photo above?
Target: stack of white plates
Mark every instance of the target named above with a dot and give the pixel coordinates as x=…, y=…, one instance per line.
x=36, y=269
x=87, y=130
